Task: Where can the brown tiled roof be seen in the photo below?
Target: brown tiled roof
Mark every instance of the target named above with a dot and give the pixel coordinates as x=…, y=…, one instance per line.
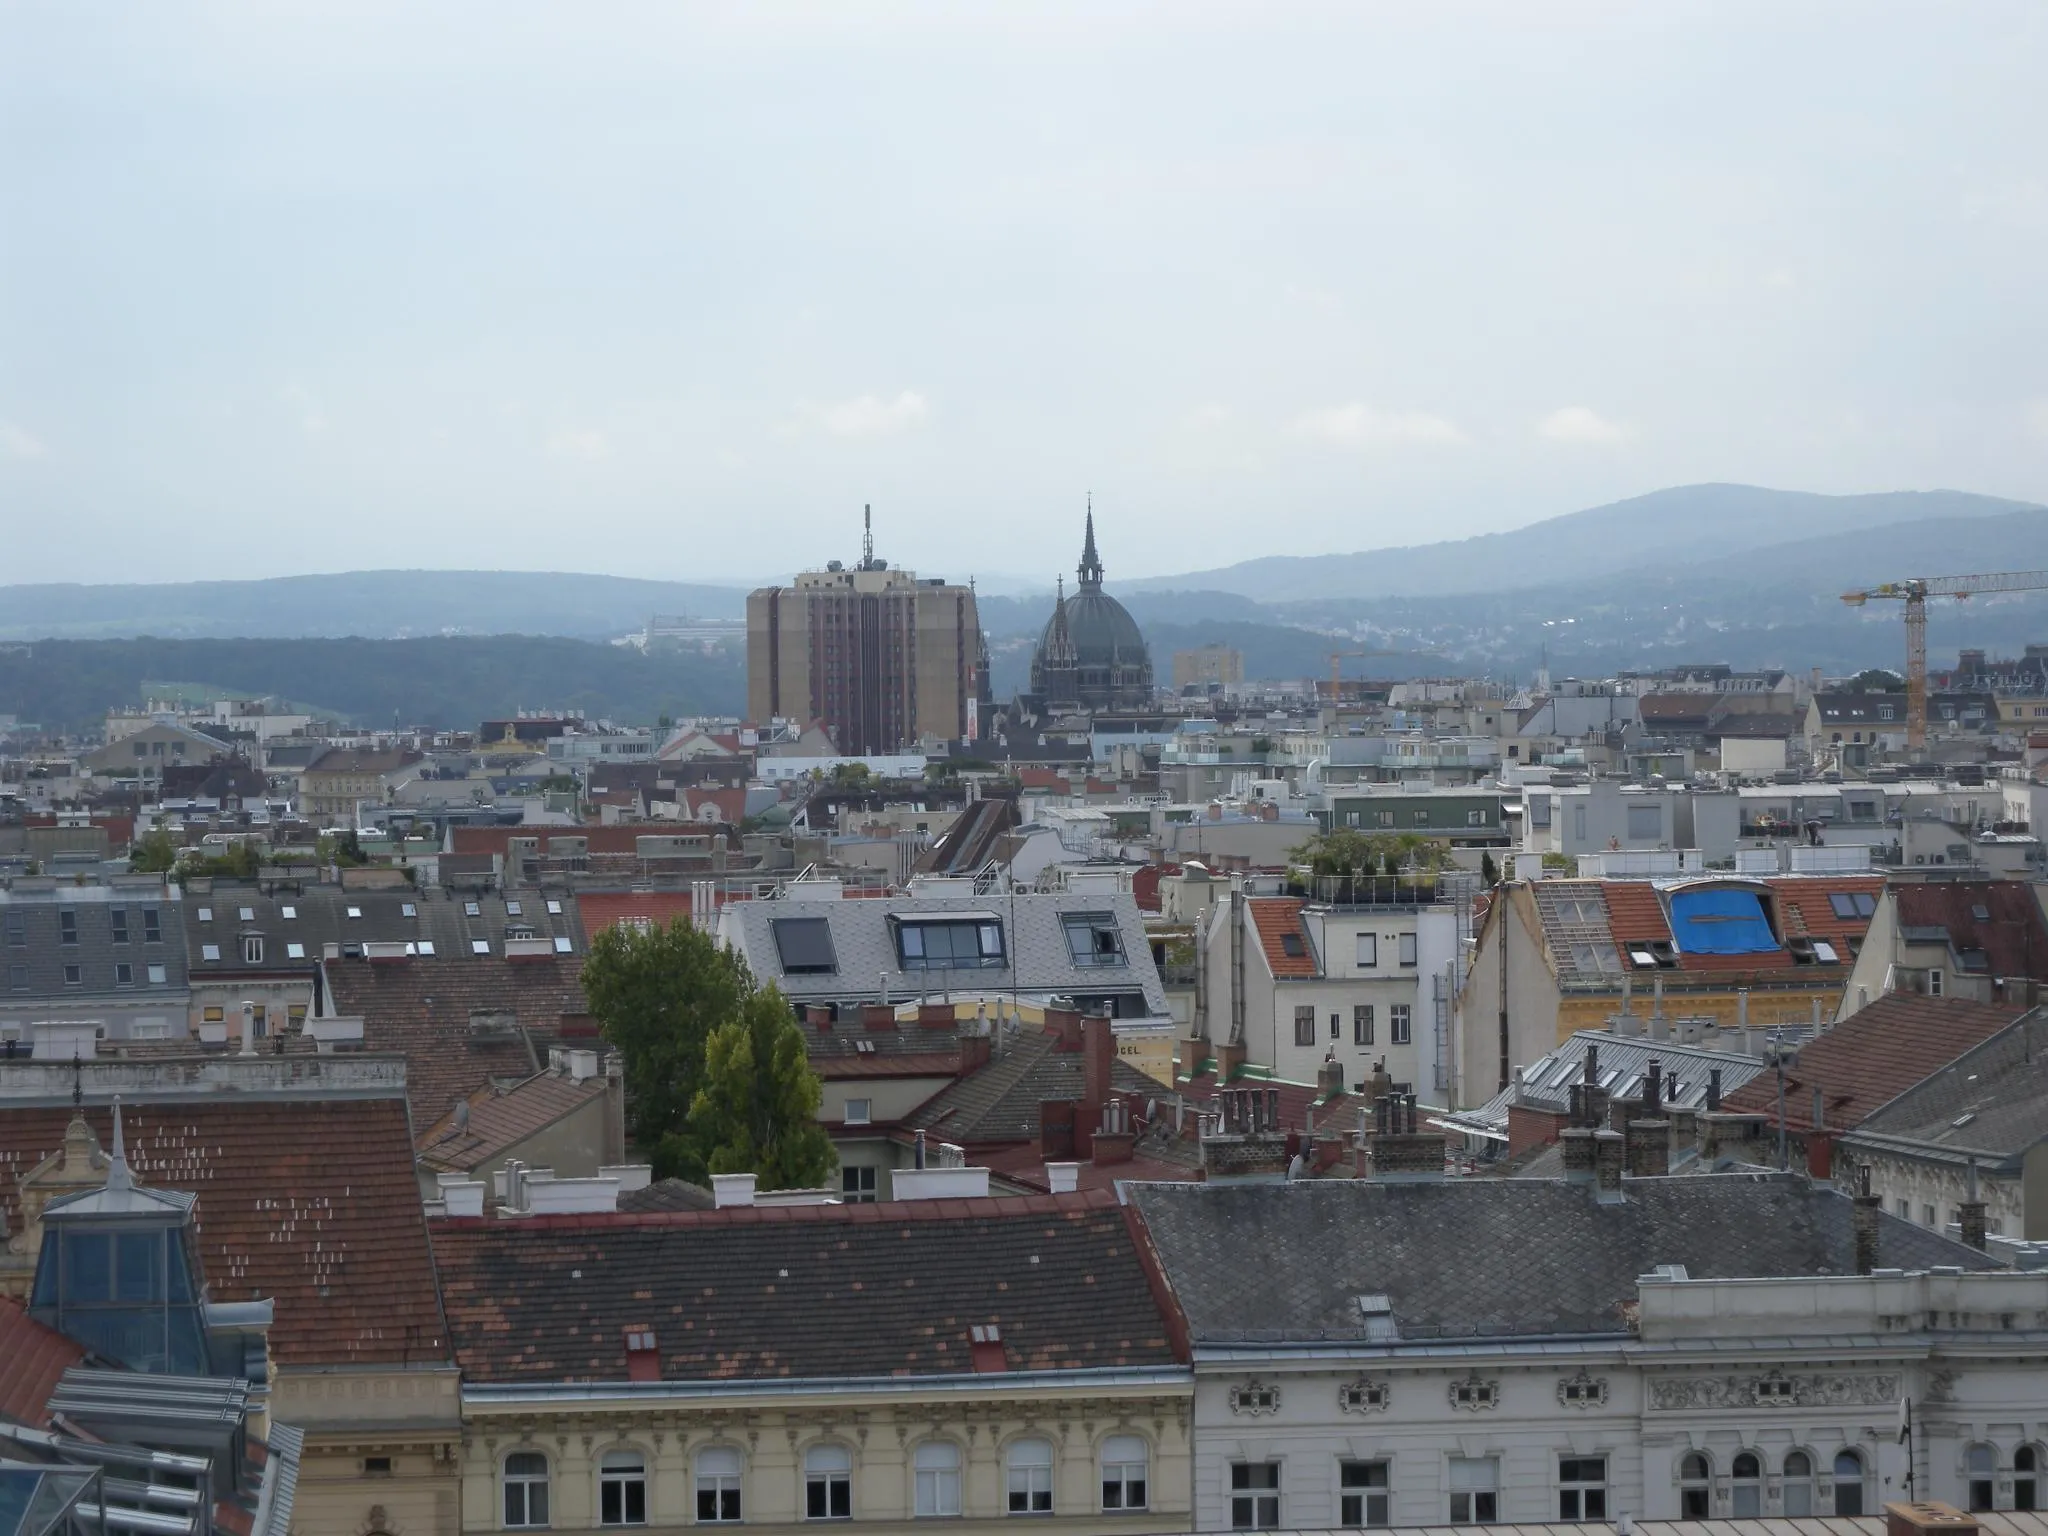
x=607, y=909
x=1635, y=914
x=1872, y=1057
x=2009, y=940
x=502, y=1118
x=1273, y=918
x=423, y=1007
x=1297, y=1100
x=36, y=1358
x=313, y=1203
x=1024, y=1166
x=999, y=1102
x=887, y=1064
x=801, y=1291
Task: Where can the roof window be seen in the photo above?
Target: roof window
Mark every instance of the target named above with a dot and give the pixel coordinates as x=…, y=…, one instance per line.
x=355, y=912
x=424, y=947
x=949, y=944
x=209, y=951
x=1850, y=905
x=408, y=909
x=206, y=914
x=554, y=908
x=1093, y=939
x=564, y=945
x=804, y=946
x=288, y=913
x=512, y=909
x=1292, y=947
x=472, y=909
x=479, y=946
x=247, y=914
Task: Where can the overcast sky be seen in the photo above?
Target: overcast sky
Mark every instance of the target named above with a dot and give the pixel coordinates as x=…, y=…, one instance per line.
x=671, y=289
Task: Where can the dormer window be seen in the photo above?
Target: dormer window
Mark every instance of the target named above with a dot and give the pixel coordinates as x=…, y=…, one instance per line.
x=252, y=949
x=1093, y=939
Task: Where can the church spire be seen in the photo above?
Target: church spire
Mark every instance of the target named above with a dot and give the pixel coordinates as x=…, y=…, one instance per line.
x=1090, y=570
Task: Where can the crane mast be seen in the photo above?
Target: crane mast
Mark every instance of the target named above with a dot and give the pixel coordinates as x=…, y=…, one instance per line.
x=1914, y=592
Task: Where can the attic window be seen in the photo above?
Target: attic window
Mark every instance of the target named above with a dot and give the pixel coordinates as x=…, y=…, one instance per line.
x=1291, y=946
x=408, y=909
x=295, y=951
x=958, y=944
x=425, y=946
x=206, y=914
x=288, y=913
x=472, y=909
x=209, y=951
x=247, y=914
x=1850, y=905
x=564, y=945
x=1641, y=957
x=804, y=945
x=986, y=1333
x=1981, y=913
x=479, y=946
x=512, y=909
x=354, y=913
x=1093, y=939
x=554, y=908
x=638, y=1339
x=1474, y=1393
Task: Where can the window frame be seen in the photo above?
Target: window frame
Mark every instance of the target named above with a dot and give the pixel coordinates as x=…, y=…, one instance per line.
x=725, y=1490
x=1400, y=1023
x=1584, y=1497
x=1849, y=1490
x=1695, y=1486
x=1481, y=1501
x=1363, y=1503
x=1368, y=951
x=828, y=1491
x=1115, y=1471
x=1305, y=1024
x=864, y=1186
x=912, y=939
x=935, y=1490
x=1093, y=928
x=1254, y=1494
x=617, y=1485
x=1407, y=950
x=1801, y=1480
x=1976, y=1478
x=1361, y=1023
x=1742, y=1483
x=525, y=1481
x=1028, y=1480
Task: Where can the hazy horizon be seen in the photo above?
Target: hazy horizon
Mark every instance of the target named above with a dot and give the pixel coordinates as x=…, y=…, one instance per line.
x=671, y=292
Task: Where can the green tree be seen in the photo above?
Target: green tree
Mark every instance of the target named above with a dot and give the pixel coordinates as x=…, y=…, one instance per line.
x=1489, y=872
x=155, y=854
x=1877, y=680
x=758, y=1109
x=852, y=775
x=658, y=995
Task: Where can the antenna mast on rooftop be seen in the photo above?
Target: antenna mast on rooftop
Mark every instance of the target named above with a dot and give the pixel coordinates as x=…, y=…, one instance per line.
x=867, y=537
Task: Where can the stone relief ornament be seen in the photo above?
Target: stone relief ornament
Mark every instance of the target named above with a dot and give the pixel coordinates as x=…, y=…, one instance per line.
x=1475, y=1394
x=1364, y=1396
x=1255, y=1397
x=1774, y=1389
x=1582, y=1391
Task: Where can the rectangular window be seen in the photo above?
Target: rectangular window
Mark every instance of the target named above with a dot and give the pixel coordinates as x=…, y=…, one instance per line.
x=1582, y=1488
x=472, y=909
x=67, y=927
x=1362, y=1493
x=294, y=951
x=213, y=1015
x=17, y=978
x=1475, y=818
x=157, y=976
x=1254, y=1495
x=622, y=1489
x=74, y=976
x=1093, y=939
x=17, y=929
x=857, y=1111
x=408, y=909
x=117, y=922
x=1397, y=1023
x=1361, y=1024
x=857, y=1185
x=1408, y=949
x=1305, y=1025
x=949, y=946
x=209, y=951
x=1336, y=1025
x=288, y=913
x=1934, y=983
x=1368, y=951
x=124, y=974
x=1475, y=1490
x=804, y=945
x=252, y=949
x=513, y=909
x=1645, y=823
x=206, y=914
x=152, y=926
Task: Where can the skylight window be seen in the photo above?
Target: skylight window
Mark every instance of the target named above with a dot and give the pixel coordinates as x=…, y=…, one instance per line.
x=804, y=945
x=408, y=909
x=554, y=908
x=1850, y=905
x=295, y=951
x=209, y=951
x=1291, y=946
x=1093, y=939
x=564, y=945
x=472, y=909
x=206, y=914
x=949, y=945
x=288, y=913
x=355, y=912
x=479, y=946
x=512, y=909
x=247, y=914
x=425, y=946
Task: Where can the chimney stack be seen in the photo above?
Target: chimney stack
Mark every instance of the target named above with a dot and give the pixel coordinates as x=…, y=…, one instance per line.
x=1330, y=1079
x=1713, y=1090
x=1577, y=1144
x=1971, y=1213
x=1863, y=1216
x=1608, y=1154
x=1401, y=1151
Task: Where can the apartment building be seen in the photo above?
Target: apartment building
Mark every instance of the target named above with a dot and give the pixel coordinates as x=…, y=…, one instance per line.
x=83, y=963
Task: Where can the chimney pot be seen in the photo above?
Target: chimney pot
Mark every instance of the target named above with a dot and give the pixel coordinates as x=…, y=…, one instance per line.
x=1713, y=1089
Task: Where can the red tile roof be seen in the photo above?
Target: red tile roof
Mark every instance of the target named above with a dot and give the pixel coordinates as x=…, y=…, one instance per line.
x=1636, y=913
x=500, y=1119
x=311, y=1202
x=1273, y=918
x=2010, y=936
x=37, y=1357
x=1025, y=1166
x=607, y=909
x=423, y=1007
x=1872, y=1057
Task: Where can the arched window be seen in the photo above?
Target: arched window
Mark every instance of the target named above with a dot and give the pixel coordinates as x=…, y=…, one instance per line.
x=526, y=1490
x=1745, y=1490
x=1848, y=1483
x=1981, y=1463
x=1030, y=1477
x=718, y=1484
x=622, y=1488
x=1798, y=1483
x=937, y=1465
x=2026, y=1462
x=1695, y=1494
x=828, y=1483
x=1125, y=1462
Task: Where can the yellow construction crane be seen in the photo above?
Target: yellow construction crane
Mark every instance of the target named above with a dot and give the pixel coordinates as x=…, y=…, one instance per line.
x=1914, y=592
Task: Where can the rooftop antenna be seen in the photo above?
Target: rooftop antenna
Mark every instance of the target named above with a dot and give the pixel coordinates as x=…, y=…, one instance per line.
x=867, y=537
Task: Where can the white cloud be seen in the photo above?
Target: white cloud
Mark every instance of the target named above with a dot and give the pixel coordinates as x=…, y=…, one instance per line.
x=17, y=442
x=1579, y=424
x=585, y=443
x=872, y=416
x=1362, y=425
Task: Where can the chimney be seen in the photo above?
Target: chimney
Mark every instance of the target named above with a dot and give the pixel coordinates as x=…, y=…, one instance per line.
x=1647, y=1144
x=1098, y=1056
x=935, y=1016
x=1577, y=1143
x=1330, y=1079
x=1608, y=1155
x=1928, y=1517
x=730, y=1189
x=1971, y=1213
x=248, y=1029
x=877, y=1016
x=1066, y=1024
x=818, y=1017
x=1713, y=1090
x=1114, y=1141
x=1063, y=1178
x=1863, y=1218
x=1401, y=1151
x=1056, y=1128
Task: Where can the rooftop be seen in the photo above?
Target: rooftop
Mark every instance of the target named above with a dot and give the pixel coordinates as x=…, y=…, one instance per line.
x=1990, y=1102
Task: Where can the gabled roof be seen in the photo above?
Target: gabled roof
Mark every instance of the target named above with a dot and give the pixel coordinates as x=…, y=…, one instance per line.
x=1872, y=1057
x=1990, y=1102
x=311, y=1202
x=1685, y=1071
x=37, y=1358
x=608, y=909
x=1277, y=921
x=501, y=1118
x=759, y=1293
x=321, y=915
x=1993, y=927
x=360, y=760
x=1489, y=1258
x=999, y=1102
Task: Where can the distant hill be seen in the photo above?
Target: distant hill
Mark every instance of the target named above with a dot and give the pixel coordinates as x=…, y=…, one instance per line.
x=445, y=682
x=379, y=605
x=1664, y=530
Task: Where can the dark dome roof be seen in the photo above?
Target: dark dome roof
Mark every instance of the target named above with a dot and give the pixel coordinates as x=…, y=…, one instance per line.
x=1102, y=632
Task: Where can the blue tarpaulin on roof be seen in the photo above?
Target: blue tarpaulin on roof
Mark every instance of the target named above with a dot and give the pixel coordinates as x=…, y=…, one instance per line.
x=1720, y=923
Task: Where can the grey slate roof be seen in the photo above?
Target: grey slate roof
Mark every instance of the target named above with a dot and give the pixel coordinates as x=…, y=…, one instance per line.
x=1489, y=1258
x=1991, y=1102
x=1546, y=1083
x=34, y=954
x=320, y=917
x=1034, y=942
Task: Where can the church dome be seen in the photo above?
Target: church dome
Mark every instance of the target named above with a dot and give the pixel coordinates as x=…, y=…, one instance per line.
x=1091, y=653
